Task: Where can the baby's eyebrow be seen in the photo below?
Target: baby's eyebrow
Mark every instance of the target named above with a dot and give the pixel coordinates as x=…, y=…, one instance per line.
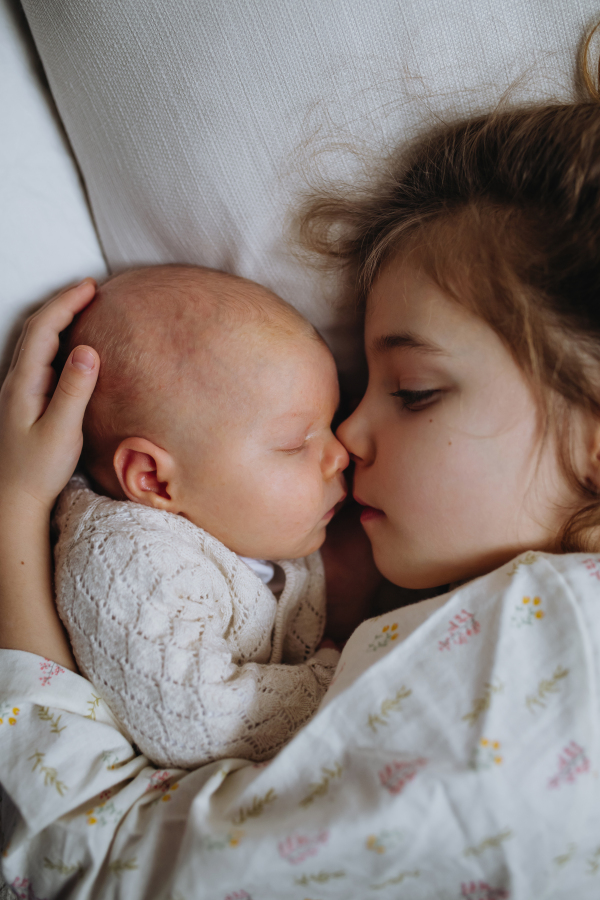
x=406, y=340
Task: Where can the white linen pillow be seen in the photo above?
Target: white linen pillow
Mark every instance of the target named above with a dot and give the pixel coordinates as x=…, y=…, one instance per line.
x=187, y=117
x=47, y=236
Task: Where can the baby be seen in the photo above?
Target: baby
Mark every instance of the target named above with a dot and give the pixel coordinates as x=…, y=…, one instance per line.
x=191, y=585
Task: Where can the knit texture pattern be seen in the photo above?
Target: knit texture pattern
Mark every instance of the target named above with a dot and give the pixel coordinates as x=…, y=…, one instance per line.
x=191, y=651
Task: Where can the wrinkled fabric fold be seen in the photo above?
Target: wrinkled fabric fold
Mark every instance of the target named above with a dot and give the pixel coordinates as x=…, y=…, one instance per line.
x=460, y=761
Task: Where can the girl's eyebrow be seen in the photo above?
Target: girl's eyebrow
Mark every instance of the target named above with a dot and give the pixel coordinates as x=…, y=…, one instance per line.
x=406, y=340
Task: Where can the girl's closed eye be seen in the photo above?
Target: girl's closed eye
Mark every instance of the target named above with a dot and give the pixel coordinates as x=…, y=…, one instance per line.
x=416, y=400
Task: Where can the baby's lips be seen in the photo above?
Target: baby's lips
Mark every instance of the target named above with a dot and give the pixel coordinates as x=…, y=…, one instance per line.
x=340, y=502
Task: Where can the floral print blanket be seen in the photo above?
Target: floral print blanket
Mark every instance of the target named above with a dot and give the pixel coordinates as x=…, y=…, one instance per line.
x=455, y=756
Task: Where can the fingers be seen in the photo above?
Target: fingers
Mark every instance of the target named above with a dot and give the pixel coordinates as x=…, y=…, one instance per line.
x=38, y=343
x=73, y=391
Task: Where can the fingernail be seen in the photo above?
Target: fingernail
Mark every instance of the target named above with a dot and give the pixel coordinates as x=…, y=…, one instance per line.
x=83, y=359
x=85, y=280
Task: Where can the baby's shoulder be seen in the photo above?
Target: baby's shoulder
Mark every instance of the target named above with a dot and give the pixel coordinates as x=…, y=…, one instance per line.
x=99, y=528
x=85, y=517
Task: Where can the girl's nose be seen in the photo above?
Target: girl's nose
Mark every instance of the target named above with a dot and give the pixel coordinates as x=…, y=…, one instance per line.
x=335, y=458
x=353, y=435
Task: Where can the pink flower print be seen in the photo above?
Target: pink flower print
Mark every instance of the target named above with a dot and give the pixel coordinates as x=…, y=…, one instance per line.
x=157, y=780
x=299, y=847
x=461, y=628
x=395, y=776
x=23, y=890
x=572, y=762
x=161, y=781
x=480, y=890
x=238, y=895
x=49, y=670
x=593, y=568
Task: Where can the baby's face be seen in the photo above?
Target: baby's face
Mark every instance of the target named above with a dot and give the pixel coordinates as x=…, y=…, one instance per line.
x=260, y=467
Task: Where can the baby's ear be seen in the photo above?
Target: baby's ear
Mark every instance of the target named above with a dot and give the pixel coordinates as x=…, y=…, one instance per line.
x=145, y=471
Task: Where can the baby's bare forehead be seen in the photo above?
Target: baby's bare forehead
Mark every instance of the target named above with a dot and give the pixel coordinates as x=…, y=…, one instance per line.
x=250, y=358
x=258, y=370
x=196, y=338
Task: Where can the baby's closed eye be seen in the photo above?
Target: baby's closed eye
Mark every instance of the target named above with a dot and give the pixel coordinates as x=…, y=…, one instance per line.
x=292, y=450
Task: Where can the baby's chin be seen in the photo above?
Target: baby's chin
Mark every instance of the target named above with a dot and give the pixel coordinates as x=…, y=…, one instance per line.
x=292, y=549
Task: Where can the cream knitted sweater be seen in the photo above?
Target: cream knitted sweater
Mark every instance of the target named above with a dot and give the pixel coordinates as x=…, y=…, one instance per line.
x=192, y=652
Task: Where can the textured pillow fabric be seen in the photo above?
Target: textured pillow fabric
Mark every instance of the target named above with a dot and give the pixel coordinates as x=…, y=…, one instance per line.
x=47, y=236
x=192, y=120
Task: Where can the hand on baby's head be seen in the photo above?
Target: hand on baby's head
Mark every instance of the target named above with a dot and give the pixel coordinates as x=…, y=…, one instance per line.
x=215, y=401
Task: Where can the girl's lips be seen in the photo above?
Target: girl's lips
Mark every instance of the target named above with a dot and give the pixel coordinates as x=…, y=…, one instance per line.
x=369, y=512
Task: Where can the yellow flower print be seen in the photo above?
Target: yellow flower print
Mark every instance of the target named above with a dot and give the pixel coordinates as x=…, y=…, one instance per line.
x=527, y=612
x=232, y=839
x=539, y=613
x=486, y=754
x=387, y=634
x=384, y=841
x=172, y=787
x=8, y=714
x=235, y=837
x=104, y=813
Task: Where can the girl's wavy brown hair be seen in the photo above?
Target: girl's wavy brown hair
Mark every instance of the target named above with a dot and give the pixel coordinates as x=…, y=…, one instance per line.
x=503, y=213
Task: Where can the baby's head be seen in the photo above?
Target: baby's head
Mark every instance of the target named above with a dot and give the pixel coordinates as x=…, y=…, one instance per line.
x=214, y=401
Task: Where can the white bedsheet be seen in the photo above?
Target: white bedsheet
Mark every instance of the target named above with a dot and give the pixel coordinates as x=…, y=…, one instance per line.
x=461, y=762
x=47, y=237
x=195, y=122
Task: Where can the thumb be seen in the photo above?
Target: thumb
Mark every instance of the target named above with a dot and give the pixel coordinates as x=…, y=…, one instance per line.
x=73, y=391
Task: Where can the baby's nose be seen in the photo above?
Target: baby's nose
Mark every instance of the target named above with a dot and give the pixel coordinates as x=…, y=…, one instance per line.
x=335, y=459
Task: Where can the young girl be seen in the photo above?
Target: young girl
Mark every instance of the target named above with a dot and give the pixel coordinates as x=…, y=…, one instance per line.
x=463, y=764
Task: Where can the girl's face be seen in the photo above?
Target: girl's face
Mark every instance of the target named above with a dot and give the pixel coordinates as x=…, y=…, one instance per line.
x=450, y=462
